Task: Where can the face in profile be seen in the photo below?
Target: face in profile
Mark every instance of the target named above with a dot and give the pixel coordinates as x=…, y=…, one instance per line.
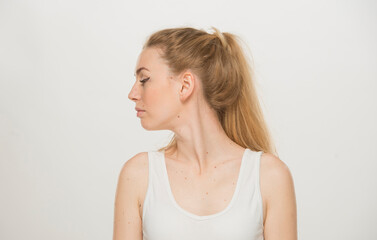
x=155, y=91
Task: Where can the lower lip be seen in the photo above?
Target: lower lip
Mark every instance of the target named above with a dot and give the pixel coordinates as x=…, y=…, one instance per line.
x=139, y=113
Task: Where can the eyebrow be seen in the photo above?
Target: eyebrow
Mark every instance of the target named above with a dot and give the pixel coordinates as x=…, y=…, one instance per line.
x=139, y=70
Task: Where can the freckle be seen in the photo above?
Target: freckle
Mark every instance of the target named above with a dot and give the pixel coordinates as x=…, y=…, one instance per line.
x=233, y=183
x=129, y=222
x=215, y=166
x=185, y=178
x=178, y=116
x=139, y=205
x=207, y=193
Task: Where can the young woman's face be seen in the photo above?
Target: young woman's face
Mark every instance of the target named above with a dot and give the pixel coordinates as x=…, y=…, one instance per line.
x=158, y=96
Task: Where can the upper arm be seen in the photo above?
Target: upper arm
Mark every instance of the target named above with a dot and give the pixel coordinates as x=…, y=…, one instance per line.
x=277, y=188
x=127, y=219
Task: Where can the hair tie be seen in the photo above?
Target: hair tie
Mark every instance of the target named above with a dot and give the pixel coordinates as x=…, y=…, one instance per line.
x=221, y=36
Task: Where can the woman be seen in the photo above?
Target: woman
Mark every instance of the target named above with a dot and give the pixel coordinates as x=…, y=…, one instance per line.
x=218, y=178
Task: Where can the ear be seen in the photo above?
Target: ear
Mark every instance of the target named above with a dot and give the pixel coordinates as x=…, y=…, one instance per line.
x=187, y=85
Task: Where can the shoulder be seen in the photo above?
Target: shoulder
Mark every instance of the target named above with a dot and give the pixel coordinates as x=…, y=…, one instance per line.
x=275, y=176
x=274, y=167
x=127, y=220
x=279, y=200
x=135, y=164
x=134, y=170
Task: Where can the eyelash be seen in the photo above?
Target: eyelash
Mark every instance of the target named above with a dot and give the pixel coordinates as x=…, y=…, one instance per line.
x=144, y=80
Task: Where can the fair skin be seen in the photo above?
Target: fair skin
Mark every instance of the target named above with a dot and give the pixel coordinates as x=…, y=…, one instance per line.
x=174, y=102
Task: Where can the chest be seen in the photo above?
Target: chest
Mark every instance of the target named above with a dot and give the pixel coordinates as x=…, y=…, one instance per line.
x=204, y=194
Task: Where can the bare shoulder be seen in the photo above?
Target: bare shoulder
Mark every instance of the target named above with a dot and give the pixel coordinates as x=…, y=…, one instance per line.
x=127, y=220
x=279, y=200
x=275, y=177
x=135, y=165
x=134, y=171
x=274, y=169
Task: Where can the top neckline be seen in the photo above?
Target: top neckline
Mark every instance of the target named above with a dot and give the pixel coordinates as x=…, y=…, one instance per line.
x=203, y=217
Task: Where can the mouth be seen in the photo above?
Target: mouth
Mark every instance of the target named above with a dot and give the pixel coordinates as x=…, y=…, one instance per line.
x=140, y=113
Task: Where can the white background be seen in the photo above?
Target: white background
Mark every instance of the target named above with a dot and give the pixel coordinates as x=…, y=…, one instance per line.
x=67, y=126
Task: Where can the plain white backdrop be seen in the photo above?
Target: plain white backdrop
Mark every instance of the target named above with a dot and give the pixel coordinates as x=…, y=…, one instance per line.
x=67, y=126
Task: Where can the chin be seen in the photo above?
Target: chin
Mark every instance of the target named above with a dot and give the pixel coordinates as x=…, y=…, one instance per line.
x=146, y=126
x=151, y=127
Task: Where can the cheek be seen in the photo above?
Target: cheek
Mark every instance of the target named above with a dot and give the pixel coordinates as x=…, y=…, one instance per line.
x=162, y=102
x=154, y=99
x=151, y=96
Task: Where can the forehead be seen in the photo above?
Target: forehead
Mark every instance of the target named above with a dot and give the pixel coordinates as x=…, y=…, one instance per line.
x=149, y=60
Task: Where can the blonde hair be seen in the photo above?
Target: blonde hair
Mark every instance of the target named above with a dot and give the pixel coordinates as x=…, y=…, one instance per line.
x=226, y=80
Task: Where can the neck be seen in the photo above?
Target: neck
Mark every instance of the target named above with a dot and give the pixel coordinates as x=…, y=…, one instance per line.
x=203, y=147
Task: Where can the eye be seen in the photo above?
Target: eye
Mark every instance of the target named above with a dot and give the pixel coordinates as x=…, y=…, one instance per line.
x=144, y=80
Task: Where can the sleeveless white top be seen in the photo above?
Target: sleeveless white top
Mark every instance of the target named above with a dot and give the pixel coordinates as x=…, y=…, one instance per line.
x=242, y=219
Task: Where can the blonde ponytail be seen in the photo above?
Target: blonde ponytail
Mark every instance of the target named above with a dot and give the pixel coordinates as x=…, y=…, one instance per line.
x=227, y=81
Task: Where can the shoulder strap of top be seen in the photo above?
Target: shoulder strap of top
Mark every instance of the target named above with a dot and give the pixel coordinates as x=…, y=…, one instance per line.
x=251, y=182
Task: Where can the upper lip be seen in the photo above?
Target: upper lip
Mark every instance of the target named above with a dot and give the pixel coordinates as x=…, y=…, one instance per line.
x=139, y=109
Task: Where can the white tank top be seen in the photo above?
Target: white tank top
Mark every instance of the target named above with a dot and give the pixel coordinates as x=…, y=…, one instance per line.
x=242, y=219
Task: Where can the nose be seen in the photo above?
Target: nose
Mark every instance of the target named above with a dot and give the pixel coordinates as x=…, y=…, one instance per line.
x=134, y=94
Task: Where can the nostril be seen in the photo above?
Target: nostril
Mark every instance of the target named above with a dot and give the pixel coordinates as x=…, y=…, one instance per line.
x=131, y=95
